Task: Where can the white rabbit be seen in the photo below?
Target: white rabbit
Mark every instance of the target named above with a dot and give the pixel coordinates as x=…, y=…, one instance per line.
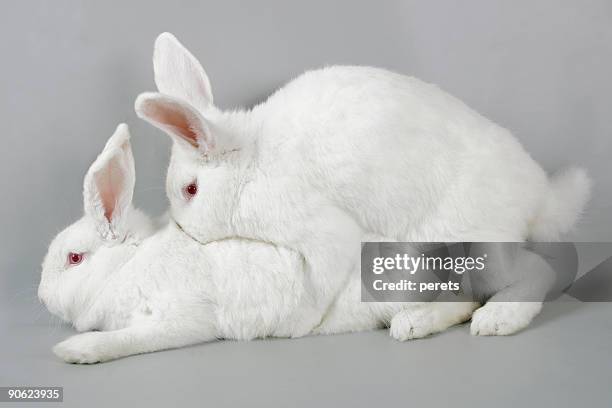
x=135, y=292
x=345, y=152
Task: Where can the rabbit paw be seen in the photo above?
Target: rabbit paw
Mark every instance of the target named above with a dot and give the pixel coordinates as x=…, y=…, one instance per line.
x=503, y=318
x=413, y=324
x=86, y=348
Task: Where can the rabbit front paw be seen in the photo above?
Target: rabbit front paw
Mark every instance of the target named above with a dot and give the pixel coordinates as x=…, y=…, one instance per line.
x=412, y=324
x=86, y=348
x=503, y=318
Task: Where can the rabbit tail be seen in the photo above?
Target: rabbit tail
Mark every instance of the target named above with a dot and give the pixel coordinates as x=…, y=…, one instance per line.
x=568, y=193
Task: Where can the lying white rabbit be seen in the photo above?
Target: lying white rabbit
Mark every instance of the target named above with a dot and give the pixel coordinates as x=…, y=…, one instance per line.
x=136, y=291
x=346, y=152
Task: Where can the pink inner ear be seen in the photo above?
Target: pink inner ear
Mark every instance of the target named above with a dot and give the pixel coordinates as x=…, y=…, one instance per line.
x=175, y=119
x=110, y=181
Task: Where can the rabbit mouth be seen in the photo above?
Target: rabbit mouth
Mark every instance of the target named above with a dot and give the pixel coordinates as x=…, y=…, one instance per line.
x=180, y=228
x=199, y=241
x=228, y=238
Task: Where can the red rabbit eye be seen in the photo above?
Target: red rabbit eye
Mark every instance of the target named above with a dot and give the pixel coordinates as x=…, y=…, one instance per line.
x=75, y=258
x=191, y=190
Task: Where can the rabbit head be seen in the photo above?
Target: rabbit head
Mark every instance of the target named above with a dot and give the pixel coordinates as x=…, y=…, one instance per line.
x=84, y=253
x=212, y=151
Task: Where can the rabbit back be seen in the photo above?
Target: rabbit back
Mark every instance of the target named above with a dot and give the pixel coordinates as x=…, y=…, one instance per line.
x=402, y=157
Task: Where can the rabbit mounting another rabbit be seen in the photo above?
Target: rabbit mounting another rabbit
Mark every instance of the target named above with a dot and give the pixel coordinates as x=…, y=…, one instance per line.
x=268, y=207
x=344, y=153
x=135, y=289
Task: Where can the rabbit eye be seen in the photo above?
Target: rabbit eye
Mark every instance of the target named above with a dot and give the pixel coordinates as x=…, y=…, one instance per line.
x=191, y=190
x=75, y=258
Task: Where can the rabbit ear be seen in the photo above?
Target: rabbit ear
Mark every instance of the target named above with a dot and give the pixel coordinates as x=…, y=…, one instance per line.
x=109, y=185
x=179, y=74
x=178, y=119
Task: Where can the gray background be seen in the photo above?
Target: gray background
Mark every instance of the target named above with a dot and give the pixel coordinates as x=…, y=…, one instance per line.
x=70, y=72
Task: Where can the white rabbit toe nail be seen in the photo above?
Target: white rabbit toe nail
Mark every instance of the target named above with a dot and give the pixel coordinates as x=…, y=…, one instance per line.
x=412, y=325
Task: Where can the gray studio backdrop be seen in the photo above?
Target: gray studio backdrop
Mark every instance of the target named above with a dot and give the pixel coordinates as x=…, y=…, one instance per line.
x=70, y=72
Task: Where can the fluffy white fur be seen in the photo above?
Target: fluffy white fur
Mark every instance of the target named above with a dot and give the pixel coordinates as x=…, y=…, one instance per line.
x=140, y=291
x=344, y=153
